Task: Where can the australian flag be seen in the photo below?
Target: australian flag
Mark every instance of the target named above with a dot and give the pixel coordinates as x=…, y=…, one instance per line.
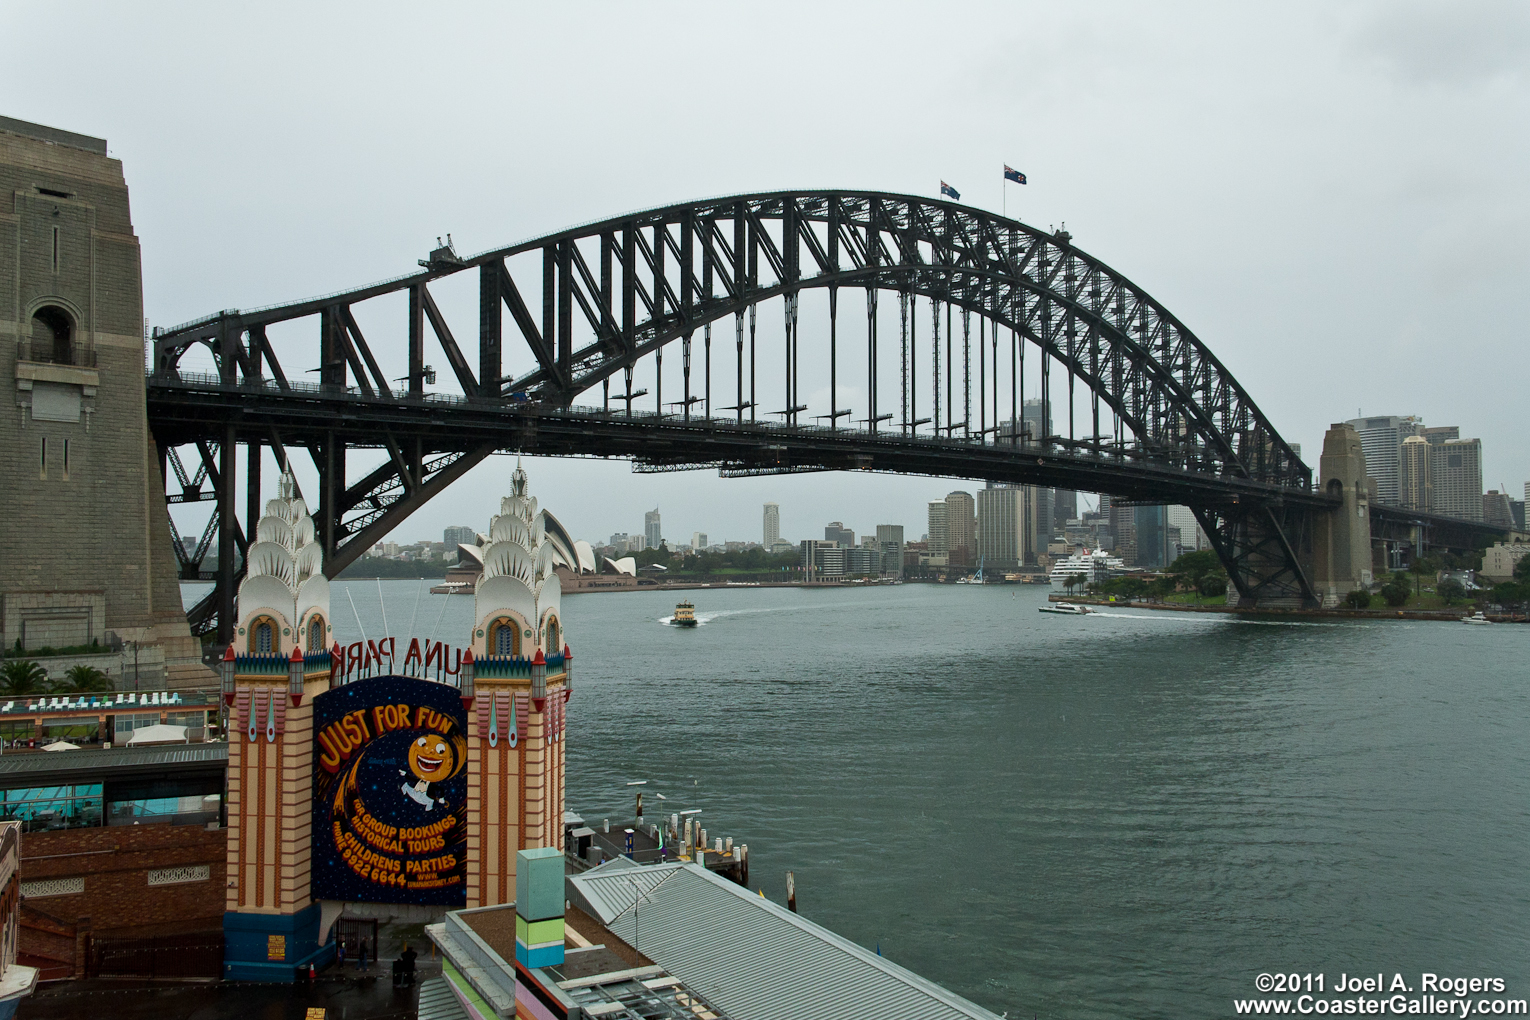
x=1011, y=174
x=946, y=189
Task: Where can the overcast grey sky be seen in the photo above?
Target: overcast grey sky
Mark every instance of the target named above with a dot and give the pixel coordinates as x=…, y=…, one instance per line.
x=1332, y=196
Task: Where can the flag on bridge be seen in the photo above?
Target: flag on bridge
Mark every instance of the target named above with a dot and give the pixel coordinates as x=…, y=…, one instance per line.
x=946, y=189
x=1011, y=174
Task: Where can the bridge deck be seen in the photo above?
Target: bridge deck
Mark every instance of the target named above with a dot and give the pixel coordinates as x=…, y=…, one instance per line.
x=188, y=408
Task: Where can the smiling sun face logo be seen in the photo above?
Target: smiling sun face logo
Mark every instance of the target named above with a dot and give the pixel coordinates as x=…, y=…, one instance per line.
x=431, y=758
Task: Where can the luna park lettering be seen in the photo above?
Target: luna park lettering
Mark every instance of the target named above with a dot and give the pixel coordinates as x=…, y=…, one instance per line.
x=366, y=656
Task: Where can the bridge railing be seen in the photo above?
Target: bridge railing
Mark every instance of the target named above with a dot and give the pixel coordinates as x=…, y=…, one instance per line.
x=1182, y=457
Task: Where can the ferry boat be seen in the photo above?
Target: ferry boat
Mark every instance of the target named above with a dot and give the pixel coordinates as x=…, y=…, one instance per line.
x=1095, y=566
x=1065, y=609
x=685, y=615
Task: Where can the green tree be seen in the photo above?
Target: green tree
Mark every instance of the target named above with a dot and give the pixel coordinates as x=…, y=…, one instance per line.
x=1419, y=568
x=1396, y=590
x=1358, y=599
x=1203, y=571
x=1451, y=590
x=21, y=677
x=1522, y=569
x=85, y=680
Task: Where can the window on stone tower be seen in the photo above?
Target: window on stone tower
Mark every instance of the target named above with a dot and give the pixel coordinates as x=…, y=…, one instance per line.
x=263, y=636
x=505, y=637
x=554, y=638
x=316, y=634
x=52, y=335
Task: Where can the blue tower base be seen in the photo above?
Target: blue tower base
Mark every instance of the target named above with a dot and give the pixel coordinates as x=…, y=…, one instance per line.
x=272, y=947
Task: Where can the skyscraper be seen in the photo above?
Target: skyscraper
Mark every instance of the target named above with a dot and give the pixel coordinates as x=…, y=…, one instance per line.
x=698, y=541
x=1381, y=440
x=459, y=535
x=1183, y=518
x=890, y=542
x=1001, y=527
x=1152, y=537
x=1414, y=482
x=961, y=528
x=772, y=524
x=1497, y=510
x=837, y=532
x=652, y=533
x=940, y=545
x=1064, y=508
x=1455, y=466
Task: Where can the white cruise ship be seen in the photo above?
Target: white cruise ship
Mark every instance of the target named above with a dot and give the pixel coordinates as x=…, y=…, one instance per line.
x=1095, y=566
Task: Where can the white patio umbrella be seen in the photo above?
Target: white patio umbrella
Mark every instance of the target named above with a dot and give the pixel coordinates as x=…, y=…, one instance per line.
x=158, y=734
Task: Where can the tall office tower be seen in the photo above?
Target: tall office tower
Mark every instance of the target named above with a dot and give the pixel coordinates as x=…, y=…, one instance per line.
x=1517, y=511
x=890, y=542
x=698, y=541
x=459, y=535
x=1381, y=440
x=1064, y=508
x=1441, y=434
x=1152, y=537
x=653, y=534
x=961, y=528
x=1496, y=509
x=86, y=553
x=940, y=545
x=1001, y=531
x=1415, y=484
x=1191, y=537
x=1455, y=467
x=1044, y=521
x=1123, y=528
x=837, y=532
x=772, y=524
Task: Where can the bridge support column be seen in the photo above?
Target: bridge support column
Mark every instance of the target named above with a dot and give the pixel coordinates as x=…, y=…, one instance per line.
x=1342, y=536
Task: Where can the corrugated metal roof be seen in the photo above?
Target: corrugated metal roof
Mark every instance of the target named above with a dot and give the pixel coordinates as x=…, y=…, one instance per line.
x=438, y=1003
x=45, y=766
x=754, y=958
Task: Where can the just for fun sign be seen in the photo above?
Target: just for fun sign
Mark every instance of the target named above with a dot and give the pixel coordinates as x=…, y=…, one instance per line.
x=390, y=793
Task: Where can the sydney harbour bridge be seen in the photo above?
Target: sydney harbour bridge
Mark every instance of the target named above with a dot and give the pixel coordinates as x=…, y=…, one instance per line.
x=673, y=338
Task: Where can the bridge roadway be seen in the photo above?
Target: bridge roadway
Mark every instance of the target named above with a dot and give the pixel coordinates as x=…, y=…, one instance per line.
x=189, y=408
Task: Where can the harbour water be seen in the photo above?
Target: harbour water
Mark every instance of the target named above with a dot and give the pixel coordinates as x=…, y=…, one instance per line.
x=1124, y=814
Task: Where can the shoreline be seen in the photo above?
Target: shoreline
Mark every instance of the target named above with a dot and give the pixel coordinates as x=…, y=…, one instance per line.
x=1426, y=615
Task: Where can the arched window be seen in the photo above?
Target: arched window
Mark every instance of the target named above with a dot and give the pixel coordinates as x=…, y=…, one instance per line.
x=52, y=335
x=316, y=634
x=263, y=636
x=554, y=638
x=504, y=637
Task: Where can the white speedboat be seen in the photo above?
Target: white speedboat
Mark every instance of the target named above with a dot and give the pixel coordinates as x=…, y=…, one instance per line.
x=1065, y=609
x=1476, y=617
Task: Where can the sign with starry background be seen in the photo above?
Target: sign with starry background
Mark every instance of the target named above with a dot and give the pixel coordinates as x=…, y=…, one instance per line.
x=390, y=793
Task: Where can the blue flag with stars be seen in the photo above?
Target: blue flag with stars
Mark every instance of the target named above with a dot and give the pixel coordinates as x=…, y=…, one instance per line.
x=1011, y=174
x=946, y=189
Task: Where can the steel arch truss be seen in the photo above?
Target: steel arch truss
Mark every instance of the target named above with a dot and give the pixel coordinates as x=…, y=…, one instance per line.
x=590, y=303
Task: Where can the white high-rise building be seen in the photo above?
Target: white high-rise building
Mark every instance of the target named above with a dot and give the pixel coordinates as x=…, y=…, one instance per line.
x=1381, y=439
x=653, y=534
x=772, y=524
x=937, y=526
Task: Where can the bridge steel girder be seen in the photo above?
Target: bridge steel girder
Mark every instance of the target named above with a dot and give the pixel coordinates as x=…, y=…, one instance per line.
x=664, y=274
